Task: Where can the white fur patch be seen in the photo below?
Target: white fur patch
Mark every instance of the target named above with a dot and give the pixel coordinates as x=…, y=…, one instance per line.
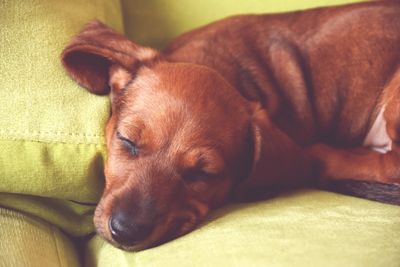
x=377, y=138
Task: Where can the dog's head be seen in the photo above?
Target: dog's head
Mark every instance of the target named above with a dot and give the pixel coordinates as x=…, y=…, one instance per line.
x=178, y=138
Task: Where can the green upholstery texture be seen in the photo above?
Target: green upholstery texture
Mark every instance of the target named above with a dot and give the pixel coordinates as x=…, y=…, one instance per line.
x=29, y=242
x=157, y=22
x=51, y=130
x=309, y=228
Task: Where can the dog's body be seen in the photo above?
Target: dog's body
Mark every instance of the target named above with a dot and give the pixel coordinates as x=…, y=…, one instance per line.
x=242, y=107
x=327, y=76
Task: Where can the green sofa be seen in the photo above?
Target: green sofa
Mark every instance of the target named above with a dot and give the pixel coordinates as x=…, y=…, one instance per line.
x=52, y=152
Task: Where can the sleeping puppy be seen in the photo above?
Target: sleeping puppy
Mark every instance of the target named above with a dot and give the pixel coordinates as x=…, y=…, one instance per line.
x=240, y=109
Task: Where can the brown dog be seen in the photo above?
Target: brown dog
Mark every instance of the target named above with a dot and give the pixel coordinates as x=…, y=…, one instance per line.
x=239, y=108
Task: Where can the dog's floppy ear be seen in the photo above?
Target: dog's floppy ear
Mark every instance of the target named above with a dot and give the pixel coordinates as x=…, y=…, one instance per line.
x=95, y=49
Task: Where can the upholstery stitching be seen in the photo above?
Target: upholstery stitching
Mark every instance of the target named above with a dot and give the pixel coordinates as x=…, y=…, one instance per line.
x=49, y=133
x=68, y=142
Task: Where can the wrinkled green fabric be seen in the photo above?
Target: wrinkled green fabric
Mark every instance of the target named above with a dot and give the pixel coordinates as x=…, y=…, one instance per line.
x=302, y=229
x=29, y=242
x=51, y=130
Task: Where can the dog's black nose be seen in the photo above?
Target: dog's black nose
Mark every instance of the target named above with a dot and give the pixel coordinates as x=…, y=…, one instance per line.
x=126, y=231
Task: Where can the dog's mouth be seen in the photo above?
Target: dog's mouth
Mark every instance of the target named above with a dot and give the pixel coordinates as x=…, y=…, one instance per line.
x=177, y=229
x=166, y=228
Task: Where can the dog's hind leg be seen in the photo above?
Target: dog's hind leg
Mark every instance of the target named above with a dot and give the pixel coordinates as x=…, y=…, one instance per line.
x=391, y=100
x=379, y=159
x=362, y=164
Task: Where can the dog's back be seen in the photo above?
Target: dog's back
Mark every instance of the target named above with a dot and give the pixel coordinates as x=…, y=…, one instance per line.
x=311, y=70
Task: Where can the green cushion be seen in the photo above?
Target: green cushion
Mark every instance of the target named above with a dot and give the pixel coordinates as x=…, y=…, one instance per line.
x=309, y=228
x=156, y=22
x=31, y=242
x=51, y=130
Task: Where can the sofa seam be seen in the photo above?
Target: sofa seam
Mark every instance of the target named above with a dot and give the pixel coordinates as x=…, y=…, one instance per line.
x=57, y=246
x=50, y=133
x=51, y=141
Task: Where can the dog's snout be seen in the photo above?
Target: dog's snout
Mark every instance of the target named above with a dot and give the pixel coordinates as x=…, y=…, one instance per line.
x=126, y=231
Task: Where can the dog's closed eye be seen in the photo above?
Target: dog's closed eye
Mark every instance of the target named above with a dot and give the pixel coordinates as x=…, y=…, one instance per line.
x=195, y=175
x=128, y=144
